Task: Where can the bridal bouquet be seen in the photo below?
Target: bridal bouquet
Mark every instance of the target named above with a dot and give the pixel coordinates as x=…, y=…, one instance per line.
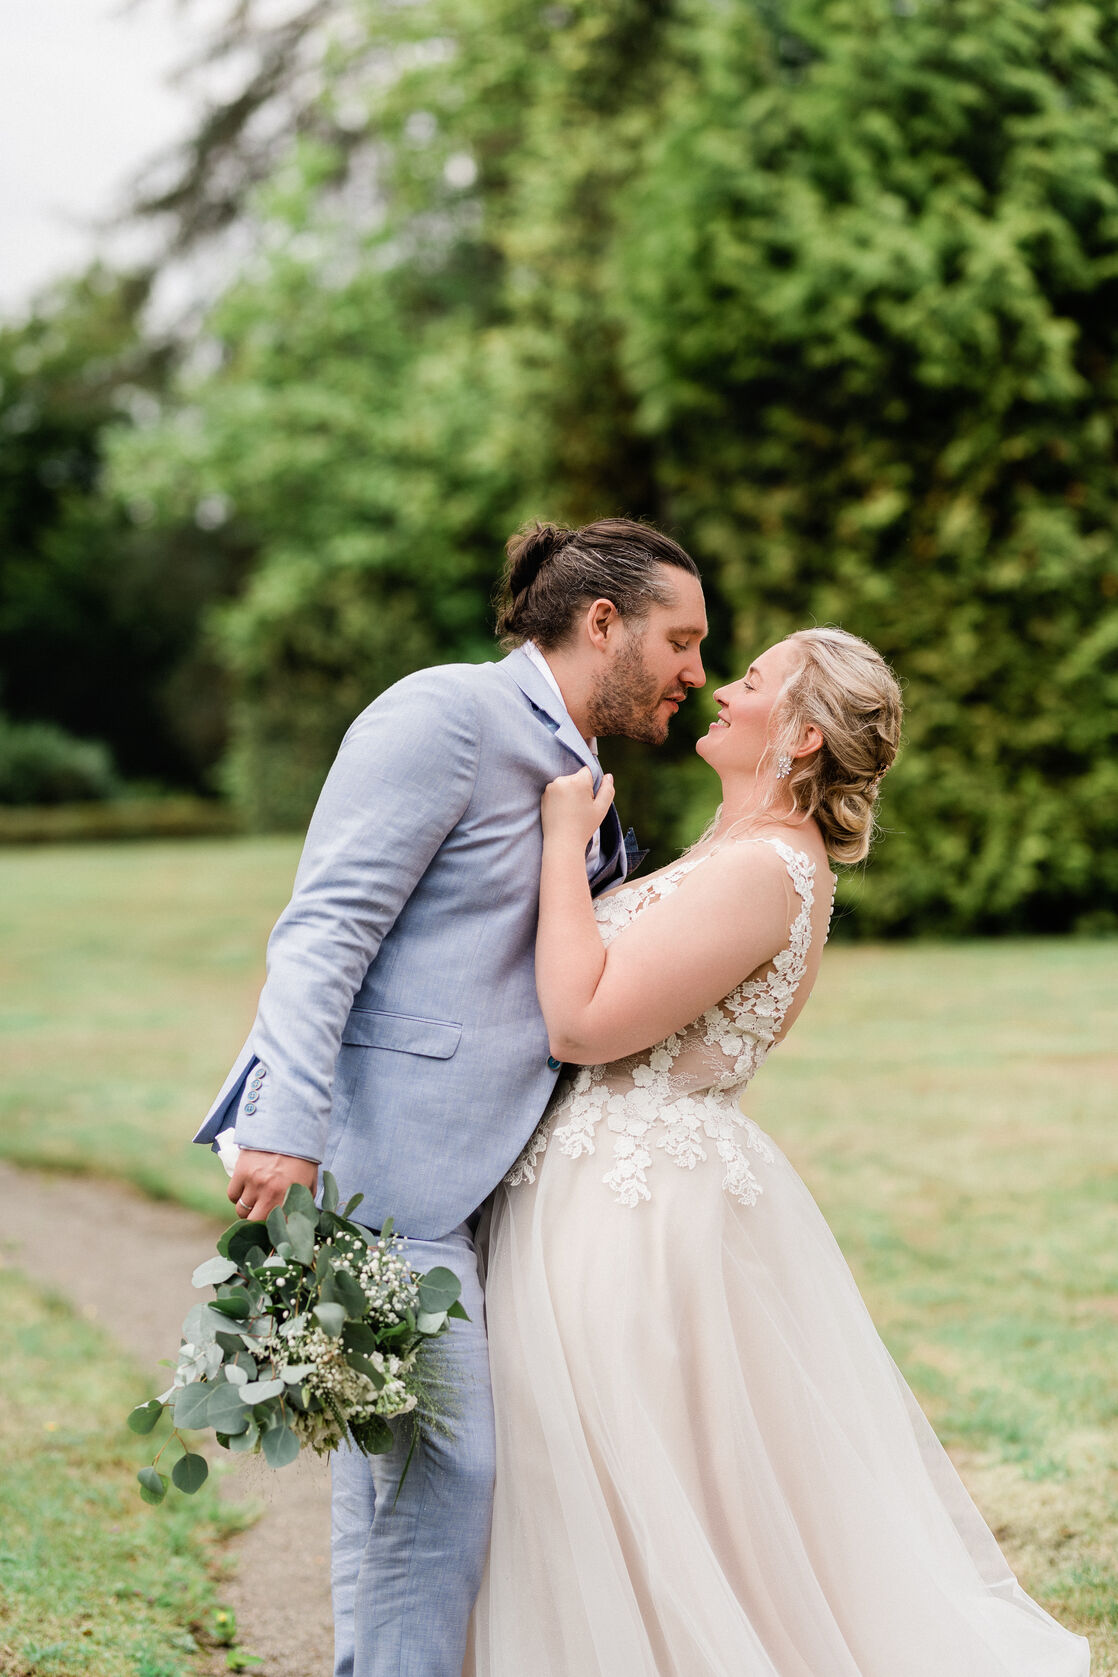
x=314, y=1333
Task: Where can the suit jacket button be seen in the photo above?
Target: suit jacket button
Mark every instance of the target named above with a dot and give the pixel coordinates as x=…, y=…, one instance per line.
x=250, y=1106
x=553, y=1062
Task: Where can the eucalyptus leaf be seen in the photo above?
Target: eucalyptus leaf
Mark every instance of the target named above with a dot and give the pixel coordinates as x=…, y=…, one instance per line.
x=245, y=1441
x=377, y=1436
x=259, y=1391
x=238, y=1241
x=329, y=1191
x=438, y=1290
x=331, y=1318
x=299, y=1198
x=300, y=1233
x=145, y=1416
x=225, y=1412
x=190, y=1472
x=280, y=1447
x=153, y=1484
x=351, y=1205
x=458, y=1312
x=359, y=1336
x=277, y=1226
x=199, y=1326
x=236, y=1304
x=430, y=1322
x=296, y=1371
x=349, y=1293
x=212, y=1360
x=236, y=1376
x=213, y=1272
x=192, y=1405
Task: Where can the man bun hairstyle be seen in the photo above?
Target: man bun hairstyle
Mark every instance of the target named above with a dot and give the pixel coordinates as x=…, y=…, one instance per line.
x=554, y=571
x=844, y=686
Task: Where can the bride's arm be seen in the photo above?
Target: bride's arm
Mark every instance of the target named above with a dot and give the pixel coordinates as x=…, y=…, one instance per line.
x=682, y=953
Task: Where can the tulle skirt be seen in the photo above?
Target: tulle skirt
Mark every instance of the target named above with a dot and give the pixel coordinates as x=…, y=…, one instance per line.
x=708, y=1465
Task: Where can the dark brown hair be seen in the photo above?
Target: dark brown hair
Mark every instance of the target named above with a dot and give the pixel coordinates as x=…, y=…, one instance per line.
x=552, y=572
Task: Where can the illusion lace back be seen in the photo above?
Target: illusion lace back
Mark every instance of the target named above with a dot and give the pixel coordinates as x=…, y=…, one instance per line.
x=708, y=1465
x=680, y=1097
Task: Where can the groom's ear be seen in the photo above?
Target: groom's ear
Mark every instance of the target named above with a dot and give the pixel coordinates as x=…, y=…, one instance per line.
x=602, y=621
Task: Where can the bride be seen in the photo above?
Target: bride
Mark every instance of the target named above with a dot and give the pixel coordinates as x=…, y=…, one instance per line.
x=707, y=1463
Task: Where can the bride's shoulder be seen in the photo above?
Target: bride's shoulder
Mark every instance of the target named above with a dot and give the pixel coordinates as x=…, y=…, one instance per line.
x=794, y=847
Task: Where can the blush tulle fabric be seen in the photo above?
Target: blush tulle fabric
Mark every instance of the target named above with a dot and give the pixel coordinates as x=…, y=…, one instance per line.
x=708, y=1464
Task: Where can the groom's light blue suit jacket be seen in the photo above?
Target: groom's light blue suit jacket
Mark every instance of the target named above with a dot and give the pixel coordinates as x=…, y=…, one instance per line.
x=398, y=1038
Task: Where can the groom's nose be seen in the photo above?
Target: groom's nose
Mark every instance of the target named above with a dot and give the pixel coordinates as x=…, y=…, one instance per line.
x=692, y=674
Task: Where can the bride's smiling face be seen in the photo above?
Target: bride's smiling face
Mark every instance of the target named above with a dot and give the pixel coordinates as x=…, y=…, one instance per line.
x=735, y=741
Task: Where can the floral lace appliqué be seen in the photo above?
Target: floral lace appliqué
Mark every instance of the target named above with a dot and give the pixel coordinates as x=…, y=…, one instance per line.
x=680, y=1097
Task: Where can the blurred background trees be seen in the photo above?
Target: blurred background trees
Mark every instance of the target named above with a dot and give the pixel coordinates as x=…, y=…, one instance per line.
x=828, y=289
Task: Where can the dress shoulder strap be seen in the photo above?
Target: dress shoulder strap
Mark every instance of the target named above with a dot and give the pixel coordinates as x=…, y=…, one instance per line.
x=798, y=864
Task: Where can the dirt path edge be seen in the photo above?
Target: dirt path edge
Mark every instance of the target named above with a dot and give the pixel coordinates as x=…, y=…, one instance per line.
x=102, y=1231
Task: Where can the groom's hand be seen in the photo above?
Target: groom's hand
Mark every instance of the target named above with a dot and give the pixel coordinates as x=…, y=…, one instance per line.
x=260, y=1180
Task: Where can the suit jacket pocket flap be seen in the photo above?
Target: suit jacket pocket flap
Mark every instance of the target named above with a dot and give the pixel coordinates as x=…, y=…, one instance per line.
x=402, y=1031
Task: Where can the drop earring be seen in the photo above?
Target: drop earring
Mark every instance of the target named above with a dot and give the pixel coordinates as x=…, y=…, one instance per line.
x=784, y=767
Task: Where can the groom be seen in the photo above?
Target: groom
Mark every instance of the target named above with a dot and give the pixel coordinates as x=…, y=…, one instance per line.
x=399, y=1042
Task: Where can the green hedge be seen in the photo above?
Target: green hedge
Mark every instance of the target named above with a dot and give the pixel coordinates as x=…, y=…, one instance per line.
x=128, y=818
x=830, y=289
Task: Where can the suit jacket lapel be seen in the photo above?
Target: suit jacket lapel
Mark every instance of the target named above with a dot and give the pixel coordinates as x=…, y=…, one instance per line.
x=552, y=711
x=614, y=862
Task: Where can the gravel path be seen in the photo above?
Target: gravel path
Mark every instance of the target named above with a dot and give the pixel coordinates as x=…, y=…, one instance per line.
x=100, y=1231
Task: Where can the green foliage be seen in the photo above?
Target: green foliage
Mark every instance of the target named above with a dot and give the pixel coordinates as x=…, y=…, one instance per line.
x=42, y=764
x=255, y=1367
x=831, y=290
x=99, y=613
x=868, y=284
x=127, y=817
x=348, y=447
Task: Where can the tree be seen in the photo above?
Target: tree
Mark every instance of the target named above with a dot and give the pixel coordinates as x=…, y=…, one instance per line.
x=829, y=290
x=868, y=285
x=99, y=617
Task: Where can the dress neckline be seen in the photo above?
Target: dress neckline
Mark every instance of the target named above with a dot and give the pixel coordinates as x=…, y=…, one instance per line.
x=787, y=852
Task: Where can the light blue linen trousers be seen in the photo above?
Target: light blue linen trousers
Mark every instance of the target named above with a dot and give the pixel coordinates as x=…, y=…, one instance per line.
x=406, y=1570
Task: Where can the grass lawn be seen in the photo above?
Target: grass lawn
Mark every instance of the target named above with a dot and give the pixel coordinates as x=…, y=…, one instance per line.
x=128, y=982
x=93, y=1583
x=950, y=1107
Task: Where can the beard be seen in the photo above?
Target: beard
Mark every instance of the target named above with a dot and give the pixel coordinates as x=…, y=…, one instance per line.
x=625, y=701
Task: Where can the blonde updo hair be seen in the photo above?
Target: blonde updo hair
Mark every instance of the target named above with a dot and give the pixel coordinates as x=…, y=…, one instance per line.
x=844, y=686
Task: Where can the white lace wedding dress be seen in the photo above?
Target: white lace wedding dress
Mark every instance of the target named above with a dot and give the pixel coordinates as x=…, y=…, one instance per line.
x=708, y=1464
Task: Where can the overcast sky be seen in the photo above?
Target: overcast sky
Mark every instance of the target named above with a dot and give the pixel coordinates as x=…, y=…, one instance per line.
x=84, y=103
